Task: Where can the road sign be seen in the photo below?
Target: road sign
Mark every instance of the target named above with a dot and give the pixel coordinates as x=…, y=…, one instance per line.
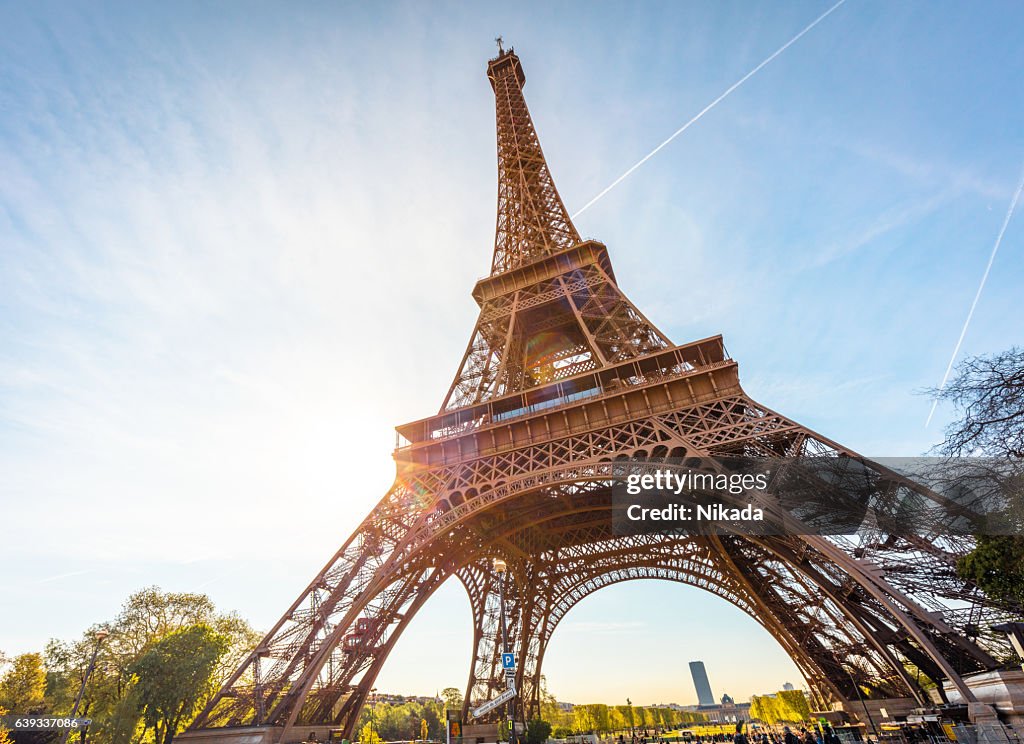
x=492, y=704
x=508, y=661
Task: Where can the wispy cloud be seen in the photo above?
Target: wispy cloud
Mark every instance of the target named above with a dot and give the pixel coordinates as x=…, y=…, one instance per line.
x=894, y=218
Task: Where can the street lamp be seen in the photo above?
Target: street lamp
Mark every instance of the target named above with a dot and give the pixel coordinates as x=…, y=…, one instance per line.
x=860, y=697
x=373, y=702
x=501, y=568
x=99, y=635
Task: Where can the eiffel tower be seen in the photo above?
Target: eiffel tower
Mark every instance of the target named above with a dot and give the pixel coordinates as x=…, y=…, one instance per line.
x=564, y=377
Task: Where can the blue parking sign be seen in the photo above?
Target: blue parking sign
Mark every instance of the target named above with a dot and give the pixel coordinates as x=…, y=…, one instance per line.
x=508, y=661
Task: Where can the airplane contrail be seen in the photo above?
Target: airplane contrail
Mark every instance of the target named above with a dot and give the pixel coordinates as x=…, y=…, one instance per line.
x=707, y=108
x=977, y=295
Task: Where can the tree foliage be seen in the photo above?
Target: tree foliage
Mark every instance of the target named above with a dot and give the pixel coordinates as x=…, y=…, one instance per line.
x=369, y=735
x=537, y=731
x=452, y=698
x=112, y=696
x=23, y=686
x=996, y=565
x=600, y=718
x=786, y=706
x=174, y=675
x=5, y=735
x=404, y=721
x=988, y=394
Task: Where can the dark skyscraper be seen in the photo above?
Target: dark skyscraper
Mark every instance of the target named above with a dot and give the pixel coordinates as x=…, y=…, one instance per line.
x=700, y=681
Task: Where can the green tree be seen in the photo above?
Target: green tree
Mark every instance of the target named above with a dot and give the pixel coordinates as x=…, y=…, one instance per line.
x=146, y=617
x=452, y=698
x=793, y=705
x=551, y=711
x=616, y=719
x=174, y=675
x=392, y=721
x=625, y=713
x=996, y=565
x=988, y=395
x=433, y=714
x=591, y=717
x=123, y=722
x=368, y=735
x=582, y=720
x=23, y=686
x=5, y=737
x=764, y=708
x=537, y=731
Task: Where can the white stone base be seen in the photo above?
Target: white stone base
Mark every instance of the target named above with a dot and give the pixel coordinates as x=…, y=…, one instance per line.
x=1002, y=689
x=240, y=735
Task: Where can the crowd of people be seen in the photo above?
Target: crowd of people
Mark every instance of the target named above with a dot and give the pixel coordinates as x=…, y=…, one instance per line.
x=786, y=735
x=823, y=735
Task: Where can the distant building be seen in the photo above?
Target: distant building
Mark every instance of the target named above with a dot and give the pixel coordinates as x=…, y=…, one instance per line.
x=727, y=700
x=788, y=686
x=722, y=712
x=671, y=706
x=700, y=682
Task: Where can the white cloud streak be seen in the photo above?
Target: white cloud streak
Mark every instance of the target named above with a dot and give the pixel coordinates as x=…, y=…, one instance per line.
x=977, y=295
x=707, y=108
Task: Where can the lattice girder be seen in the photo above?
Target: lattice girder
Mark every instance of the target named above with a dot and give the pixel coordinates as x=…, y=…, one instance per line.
x=523, y=336
x=492, y=495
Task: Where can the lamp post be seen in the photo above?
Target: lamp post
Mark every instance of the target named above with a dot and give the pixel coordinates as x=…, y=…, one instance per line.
x=373, y=715
x=99, y=635
x=501, y=568
x=860, y=697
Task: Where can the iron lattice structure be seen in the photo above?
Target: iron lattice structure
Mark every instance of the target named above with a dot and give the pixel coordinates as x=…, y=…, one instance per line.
x=563, y=379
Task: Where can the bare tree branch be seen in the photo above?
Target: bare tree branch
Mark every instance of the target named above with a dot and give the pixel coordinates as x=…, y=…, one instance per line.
x=988, y=391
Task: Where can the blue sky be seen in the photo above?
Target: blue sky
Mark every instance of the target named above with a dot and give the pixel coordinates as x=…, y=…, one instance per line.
x=237, y=243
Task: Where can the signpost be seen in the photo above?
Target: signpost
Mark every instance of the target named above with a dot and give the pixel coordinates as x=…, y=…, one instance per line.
x=492, y=704
x=453, y=729
x=508, y=659
x=508, y=663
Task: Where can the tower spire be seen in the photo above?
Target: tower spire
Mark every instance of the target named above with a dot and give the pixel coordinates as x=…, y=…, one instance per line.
x=551, y=309
x=532, y=220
